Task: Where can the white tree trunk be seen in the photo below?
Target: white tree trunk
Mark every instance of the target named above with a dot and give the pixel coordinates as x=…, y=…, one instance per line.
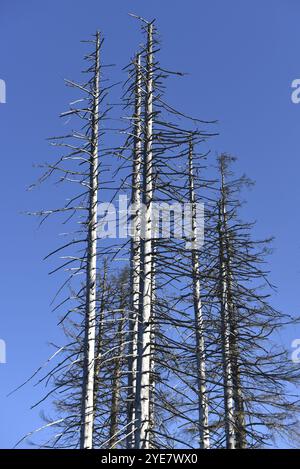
x=87, y=412
x=135, y=253
x=225, y=337
x=239, y=414
x=143, y=388
x=199, y=327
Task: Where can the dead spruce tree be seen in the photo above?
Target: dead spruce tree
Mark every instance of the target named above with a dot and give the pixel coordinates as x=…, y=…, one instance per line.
x=135, y=270
x=81, y=165
x=87, y=414
x=199, y=324
x=139, y=95
x=145, y=322
x=153, y=140
x=257, y=373
x=225, y=325
x=110, y=379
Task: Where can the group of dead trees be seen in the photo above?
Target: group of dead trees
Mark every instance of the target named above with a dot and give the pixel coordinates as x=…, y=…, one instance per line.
x=176, y=346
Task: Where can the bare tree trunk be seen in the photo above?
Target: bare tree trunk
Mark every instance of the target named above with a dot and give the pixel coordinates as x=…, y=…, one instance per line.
x=135, y=253
x=199, y=327
x=143, y=384
x=225, y=337
x=239, y=416
x=87, y=410
x=240, y=426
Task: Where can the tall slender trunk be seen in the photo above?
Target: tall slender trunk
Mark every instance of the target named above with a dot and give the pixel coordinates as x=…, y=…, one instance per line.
x=239, y=413
x=225, y=336
x=144, y=335
x=87, y=407
x=199, y=328
x=135, y=253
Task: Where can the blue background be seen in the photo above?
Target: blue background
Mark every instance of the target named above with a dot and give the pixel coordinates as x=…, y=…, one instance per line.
x=241, y=56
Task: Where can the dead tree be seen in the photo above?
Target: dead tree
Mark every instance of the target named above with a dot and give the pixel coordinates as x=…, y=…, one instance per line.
x=135, y=249
x=239, y=417
x=144, y=332
x=199, y=326
x=87, y=416
x=257, y=371
x=225, y=337
x=80, y=166
x=161, y=139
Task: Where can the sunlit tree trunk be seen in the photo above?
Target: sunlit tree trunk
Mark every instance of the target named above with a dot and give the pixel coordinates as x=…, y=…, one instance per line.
x=199, y=327
x=87, y=408
x=143, y=385
x=225, y=335
x=239, y=414
x=135, y=253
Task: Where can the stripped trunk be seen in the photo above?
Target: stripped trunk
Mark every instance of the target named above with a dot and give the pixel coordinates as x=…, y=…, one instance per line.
x=199, y=327
x=239, y=414
x=225, y=335
x=87, y=406
x=135, y=253
x=144, y=335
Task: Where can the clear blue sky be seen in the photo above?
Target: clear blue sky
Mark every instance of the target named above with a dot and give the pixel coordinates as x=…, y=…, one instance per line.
x=241, y=57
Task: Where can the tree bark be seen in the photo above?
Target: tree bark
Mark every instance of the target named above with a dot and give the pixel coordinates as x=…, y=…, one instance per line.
x=143, y=384
x=239, y=414
x=199, y=327
x=135, y=253
x=87, y=408
x=225, y=336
